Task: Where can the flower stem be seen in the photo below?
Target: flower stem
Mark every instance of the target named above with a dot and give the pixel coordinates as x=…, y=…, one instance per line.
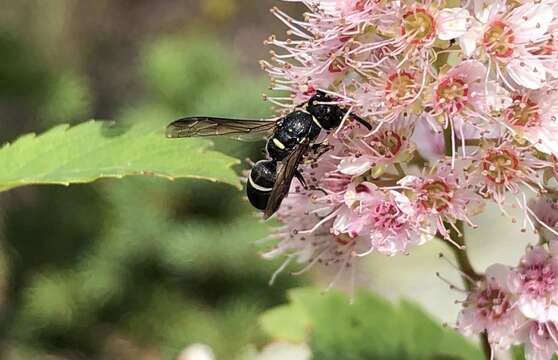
x=468, y=272
x=461, y=255
x=448, y=150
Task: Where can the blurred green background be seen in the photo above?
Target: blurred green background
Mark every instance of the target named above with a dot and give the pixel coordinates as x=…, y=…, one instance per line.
x=142, y=268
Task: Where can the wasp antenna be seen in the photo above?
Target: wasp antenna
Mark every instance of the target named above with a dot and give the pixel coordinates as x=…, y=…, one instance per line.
x=361, y=121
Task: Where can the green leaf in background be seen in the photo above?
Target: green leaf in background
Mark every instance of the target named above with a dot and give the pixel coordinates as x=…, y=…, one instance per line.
x=68, y=100
x=89, y=151
x=287, y=322
x=370, y=328
x=518, y=352
x=168, y=65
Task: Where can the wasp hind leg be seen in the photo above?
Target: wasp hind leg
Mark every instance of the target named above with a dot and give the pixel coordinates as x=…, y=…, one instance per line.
x=318, y=150
x=301, y=179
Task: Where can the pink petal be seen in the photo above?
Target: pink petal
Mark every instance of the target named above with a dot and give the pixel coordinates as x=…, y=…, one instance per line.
x=528, y=73
x=530, y=21
x=452, y=23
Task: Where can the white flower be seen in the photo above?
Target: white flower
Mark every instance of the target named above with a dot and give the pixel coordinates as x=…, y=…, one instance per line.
x=452, y=23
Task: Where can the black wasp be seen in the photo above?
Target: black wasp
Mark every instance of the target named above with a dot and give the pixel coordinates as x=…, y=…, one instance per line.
x=291, y=138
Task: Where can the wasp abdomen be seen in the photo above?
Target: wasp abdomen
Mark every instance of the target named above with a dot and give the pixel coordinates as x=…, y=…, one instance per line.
x=260, y=183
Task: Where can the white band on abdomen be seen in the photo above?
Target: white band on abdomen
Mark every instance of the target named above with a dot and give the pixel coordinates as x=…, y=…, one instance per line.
x=256, y=186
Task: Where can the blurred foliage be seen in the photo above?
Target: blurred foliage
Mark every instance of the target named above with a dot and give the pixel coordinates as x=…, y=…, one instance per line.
x=37, y=91
x=21, y=75
x=158, y=264
x=369, y=328
x=218, y=10
x=68, y=99
x=518, y=353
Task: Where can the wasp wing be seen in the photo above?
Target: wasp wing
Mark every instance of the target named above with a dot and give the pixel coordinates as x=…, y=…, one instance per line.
x=213, y=126
x=285, y=177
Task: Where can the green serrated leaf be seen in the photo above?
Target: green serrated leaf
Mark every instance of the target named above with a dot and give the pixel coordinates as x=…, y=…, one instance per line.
x=369, y=328
x=84, y=153
x=428, y=337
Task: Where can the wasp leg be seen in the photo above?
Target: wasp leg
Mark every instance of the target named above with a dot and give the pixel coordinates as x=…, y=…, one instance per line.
x=320, y=149
x=300, y=178
x=316, y=147
x=250, y=162
x=315, y=188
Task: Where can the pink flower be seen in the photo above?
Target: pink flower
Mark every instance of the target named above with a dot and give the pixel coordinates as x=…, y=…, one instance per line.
x=517, y=306
x=429, y=142
x=395, y=226
x=443, y=196
x=535, y=281
x=490, y=307
x=544, y=211
x=391, y=89
x=534, y=116
x=421, y=23
x=454, y=126
x=540, y=339
x=387, y=219
x=459, y=100
x=506, y=168
x=461, y=89
x=377, y=151
x=318, y=247
x=507, y=36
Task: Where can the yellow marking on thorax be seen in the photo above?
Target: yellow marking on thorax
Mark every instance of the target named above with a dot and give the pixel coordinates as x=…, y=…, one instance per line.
x=279, y=144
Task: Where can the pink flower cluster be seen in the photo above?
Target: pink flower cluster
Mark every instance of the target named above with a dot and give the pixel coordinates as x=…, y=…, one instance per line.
x=462, y=97
x=517, y=305
x=463, y=101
